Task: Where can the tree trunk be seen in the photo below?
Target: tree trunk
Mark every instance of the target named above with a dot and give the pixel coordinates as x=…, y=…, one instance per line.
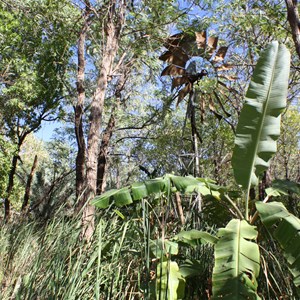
x=264, y=184
x=293, y=18
x=28, y=185
x=195, y=135
x=111, y=37
x=179, y=208
x=11, y=175
x=10, y=186
x=79, y=108
x=102, y=157
x=103, y=152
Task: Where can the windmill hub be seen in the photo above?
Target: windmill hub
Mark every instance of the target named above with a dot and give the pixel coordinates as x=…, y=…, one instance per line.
x=195, y=77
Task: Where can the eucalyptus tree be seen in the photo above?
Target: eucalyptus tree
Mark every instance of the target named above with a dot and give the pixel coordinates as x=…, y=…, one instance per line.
x=113, y=16
x=119, y=37
x=34, y=59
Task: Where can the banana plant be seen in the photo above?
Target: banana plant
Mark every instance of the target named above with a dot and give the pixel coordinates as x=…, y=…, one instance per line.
x=259, y=123
x=234, y=275
x=236, y=251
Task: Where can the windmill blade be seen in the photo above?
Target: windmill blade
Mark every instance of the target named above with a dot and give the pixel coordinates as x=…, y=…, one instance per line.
x=178, y=81
x=225, y=67
x=183, y=92
x=173, y=41
x=212, y=42
x=173, y=70
x=175, y=57
x=189, y=46
x=201, y=39
x=182, y=41
x=220, y=54
x=165, y=56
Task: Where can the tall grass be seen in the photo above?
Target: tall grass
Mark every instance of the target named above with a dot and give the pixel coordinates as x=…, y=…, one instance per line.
x=50, y=261
x=47, y=259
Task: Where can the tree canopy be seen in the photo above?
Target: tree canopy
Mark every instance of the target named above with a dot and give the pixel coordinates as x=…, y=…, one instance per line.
x=163, y=127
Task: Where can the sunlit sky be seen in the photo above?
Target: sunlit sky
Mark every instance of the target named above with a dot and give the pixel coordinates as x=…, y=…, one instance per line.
x=47, y=130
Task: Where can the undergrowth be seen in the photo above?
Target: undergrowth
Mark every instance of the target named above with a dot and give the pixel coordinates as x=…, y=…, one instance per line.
x=47, y=259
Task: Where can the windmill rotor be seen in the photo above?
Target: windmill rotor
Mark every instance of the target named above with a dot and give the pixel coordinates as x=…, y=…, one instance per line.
x=183, y=50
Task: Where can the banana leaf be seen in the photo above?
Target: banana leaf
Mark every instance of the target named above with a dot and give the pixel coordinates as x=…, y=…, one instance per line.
x=285, y=228
x=286, y=186
x=170, y=283
x=191, y=268
x=158, y=185
x=102, y=201
x=259, y=122
x=195, y=237
x=237, y=262
x=139, y=191
x=153, y=187
x=163, y=248
x=189, y=185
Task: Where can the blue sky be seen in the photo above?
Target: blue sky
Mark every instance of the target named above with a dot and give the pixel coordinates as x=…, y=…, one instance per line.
x=47, y=130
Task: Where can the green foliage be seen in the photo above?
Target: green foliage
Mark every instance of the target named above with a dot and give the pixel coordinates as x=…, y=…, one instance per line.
x=156, y=187
x=170, y=282
x=6, y=152
x=48, y=259
x=195, y=237
x=259, y=123
x=34, y=64
x=237, y=257
x=283, y=187
x=285, y=228
x=285, y=163
x=35, y=56
x=237, y=262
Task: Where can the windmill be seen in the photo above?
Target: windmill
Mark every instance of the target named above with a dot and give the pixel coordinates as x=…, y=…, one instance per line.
x=182, y=51
x=182, y=48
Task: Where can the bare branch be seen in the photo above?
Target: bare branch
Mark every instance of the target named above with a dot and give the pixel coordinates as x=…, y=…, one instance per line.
x=293, y=18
